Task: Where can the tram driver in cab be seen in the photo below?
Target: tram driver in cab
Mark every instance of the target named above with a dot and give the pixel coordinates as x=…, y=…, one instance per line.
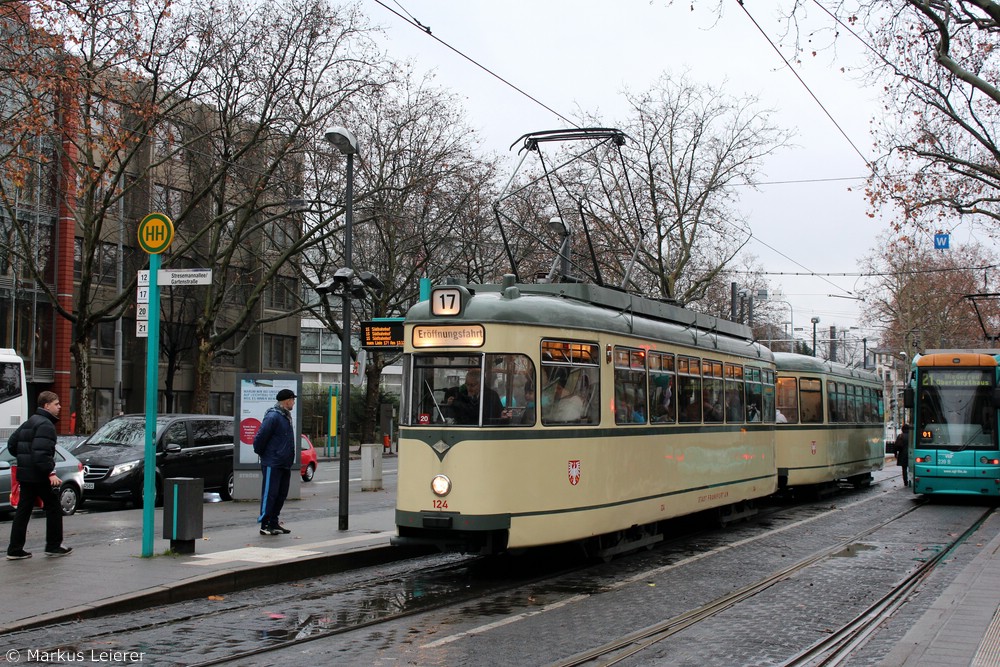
x=464, y=403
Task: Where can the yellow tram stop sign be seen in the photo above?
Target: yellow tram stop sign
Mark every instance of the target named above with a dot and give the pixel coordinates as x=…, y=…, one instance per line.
x=156, y=232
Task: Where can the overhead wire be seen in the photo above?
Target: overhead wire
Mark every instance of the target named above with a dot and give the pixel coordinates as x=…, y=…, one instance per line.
x=426, y=30
x=412, y=20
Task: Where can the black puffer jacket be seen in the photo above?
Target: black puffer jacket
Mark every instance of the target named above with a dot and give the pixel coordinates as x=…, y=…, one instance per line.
x=34, y=445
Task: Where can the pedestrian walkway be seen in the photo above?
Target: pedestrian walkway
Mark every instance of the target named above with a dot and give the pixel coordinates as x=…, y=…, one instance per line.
x=112, y=576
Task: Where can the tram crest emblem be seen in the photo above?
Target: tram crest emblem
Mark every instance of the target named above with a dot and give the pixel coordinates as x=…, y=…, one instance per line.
x=574, y=472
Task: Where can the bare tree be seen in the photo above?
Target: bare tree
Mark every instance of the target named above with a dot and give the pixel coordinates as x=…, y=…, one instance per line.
x=422, y=208
x=692, y=145
x=278, y=77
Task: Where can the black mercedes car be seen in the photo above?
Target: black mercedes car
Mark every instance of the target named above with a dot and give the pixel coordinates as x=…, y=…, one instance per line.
x=186, y=446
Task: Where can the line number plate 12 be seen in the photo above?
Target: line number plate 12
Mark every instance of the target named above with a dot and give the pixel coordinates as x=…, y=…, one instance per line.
x=446, y=301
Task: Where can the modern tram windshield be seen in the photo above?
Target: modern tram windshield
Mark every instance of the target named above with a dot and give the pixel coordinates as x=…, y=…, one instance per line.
x=471, y=390
x=955, y=409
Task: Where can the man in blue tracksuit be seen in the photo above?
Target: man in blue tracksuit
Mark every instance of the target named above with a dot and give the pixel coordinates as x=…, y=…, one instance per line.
x=275, y=445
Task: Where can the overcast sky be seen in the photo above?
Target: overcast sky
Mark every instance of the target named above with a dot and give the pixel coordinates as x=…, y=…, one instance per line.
x=582, y=54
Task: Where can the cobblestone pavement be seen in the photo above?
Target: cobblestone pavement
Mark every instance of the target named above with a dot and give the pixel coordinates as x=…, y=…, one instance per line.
x=540, y=623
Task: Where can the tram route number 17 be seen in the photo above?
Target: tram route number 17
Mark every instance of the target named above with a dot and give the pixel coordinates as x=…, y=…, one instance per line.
x=446, y=301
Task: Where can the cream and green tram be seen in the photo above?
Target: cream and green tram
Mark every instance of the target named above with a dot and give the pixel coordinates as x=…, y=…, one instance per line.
x=536, y=414
x=829, y=424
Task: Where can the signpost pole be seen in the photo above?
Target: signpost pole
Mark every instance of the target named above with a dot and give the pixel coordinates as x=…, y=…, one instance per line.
x=152, y=383
x=156, y=232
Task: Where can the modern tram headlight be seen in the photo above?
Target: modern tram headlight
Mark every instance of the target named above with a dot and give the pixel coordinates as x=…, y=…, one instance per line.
x=988, y=461
x=441, y=485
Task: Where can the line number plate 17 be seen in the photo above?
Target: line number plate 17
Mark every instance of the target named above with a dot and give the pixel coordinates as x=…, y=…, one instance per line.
x=446, y=301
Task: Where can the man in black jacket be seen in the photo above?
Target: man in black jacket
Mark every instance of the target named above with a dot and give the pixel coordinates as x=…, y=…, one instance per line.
x=901, y=448
x=34, y=445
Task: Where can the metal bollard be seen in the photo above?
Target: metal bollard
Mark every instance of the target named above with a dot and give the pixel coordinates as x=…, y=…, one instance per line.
x=183, y=512
x=371, y=467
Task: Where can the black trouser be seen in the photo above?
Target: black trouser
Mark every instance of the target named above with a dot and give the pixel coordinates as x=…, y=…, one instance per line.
x=53, y=516
x=274, y=490
x=903, y=465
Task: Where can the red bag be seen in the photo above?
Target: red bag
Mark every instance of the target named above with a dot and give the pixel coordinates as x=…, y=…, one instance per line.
x=15, y=490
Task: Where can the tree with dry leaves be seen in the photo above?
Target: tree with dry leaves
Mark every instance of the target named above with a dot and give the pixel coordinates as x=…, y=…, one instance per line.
x=690, y=146
x=917, y=296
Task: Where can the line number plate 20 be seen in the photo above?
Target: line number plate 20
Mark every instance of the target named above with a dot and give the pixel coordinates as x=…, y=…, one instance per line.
x=446, y=301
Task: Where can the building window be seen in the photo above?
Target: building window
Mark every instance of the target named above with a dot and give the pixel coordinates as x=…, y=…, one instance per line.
x=102, y=343
x=320, y=346
x=280, y=234
x=281, y=294
x=169, y=201
x=221, y=403
x=279, y=352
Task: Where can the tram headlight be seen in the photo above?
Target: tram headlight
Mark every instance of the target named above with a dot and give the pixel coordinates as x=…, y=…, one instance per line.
x=988, y=461
x=441, y=485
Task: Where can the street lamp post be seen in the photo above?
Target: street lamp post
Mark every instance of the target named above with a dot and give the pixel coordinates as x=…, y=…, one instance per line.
x=345, y=141
x=815, y=321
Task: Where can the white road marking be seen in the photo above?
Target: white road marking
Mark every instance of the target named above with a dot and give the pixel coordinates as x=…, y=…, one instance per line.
x=290, y=552
x=505, y=621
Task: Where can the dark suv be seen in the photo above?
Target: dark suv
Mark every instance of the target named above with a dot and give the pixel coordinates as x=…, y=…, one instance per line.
x=186, y=446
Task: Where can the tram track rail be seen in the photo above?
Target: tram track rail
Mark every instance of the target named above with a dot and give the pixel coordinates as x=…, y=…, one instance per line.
x=838, y=647
x=305, y=624
x=835, y=649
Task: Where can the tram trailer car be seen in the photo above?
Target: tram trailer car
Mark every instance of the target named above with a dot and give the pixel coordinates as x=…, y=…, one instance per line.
x=954, y=446
x=601, y=415
x=829, y=424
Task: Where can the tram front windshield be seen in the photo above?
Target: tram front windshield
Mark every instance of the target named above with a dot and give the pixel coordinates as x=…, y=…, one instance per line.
x=955, y=409
x=465, y=390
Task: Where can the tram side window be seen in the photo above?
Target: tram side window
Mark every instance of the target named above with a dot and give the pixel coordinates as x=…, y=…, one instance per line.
x=811, y=400
x=788, y=400
x=662, y=388
x=735, y=394
x=755, y=395
x=630, y=386
x=871, y=400
x=570, y=383
x=689, y=390
x=836, y=397
x=713, y=392
x=452, y=389
x=512, y=377
x=767, y=377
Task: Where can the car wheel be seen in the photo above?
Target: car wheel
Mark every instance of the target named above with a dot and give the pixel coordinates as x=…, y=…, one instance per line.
x=307, y=476
x=226, y=492
x=69, y=499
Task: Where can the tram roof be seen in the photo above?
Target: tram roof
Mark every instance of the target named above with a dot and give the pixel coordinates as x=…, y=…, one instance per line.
x=958, y=357
x=588, y=307
x=801, y=363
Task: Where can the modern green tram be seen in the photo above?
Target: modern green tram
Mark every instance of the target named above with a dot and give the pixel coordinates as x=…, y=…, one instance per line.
x=954, y=397
x=830, y=424
x=536, y=414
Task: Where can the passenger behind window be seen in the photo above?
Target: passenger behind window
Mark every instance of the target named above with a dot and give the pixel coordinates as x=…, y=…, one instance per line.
x=465, y=401
x=566, y=406
x=528, y=415
x=734, y=406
